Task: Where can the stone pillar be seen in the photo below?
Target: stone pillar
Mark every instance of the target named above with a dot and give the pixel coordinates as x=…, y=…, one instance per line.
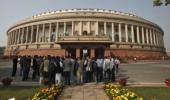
x=162, y=39
x=154, y=40
x=132, y=34
x=143, y=38
x=97, y=30
x=80, y=28
x=22, y=38
x=120, y=34
x=138, y=37
x=72, y=31
x=37, y=34
x=11, y=37
x=77, y=52
x=56, y=31
x=32, y=29
x=8, y=38
x=113, y=33
x=27, y=34
x=16, y=33
x=49, y=33
x=105, y=28
x=92, y=52
x=18, y=36
x=64, y=28
x=43, y=32
x=126, y=32
x=151, y=36
x=147, y=36
x=156, y=37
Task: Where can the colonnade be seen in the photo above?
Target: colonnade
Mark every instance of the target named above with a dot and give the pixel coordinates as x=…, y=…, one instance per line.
x=119, y=32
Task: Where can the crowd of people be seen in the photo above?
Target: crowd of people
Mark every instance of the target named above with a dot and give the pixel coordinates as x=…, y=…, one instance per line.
x=67, y=70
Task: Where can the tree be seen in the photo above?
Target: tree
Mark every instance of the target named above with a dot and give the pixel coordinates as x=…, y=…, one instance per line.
x=160, y=2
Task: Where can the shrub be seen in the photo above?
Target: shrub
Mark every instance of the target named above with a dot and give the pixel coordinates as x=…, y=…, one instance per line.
x=6, y=81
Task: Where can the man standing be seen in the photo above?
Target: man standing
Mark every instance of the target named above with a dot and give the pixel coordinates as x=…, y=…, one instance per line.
x=99, y=62
x=66, y=69
x=14, y=68
x=117, y=62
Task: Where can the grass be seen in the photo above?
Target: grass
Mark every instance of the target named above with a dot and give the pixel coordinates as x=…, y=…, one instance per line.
x=158, y=93
x=19, y=92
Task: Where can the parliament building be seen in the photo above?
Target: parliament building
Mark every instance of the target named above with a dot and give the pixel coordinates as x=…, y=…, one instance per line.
x=91, y=32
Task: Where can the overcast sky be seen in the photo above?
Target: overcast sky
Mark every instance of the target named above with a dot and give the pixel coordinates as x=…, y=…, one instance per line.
x=12, y=11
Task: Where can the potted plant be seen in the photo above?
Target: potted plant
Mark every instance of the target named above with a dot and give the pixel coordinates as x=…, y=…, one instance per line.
x=6, y=81
x=122, y=81
x=44, y=81
x=167, y=82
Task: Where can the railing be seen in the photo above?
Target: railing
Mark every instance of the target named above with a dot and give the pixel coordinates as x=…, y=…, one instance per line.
x=84, y=38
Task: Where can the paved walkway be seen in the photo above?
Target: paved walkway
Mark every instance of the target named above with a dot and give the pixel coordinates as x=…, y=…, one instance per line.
x=88, y=91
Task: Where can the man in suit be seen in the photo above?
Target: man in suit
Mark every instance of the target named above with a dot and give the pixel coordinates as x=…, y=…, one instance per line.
x=67, y=69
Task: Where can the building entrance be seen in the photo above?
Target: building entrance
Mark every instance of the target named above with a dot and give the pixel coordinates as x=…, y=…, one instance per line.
x=71, y=52
x=99, y=52
x=84, y=52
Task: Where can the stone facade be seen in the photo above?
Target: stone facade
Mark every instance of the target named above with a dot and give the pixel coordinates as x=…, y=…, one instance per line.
x=70, y=31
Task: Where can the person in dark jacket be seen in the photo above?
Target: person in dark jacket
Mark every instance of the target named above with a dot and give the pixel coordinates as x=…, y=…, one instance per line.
x=14, y=67
x=52, y=70
x=25, y=68
x=35, y=68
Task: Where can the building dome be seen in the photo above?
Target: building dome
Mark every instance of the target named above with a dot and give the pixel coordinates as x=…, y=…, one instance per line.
x=86, y=32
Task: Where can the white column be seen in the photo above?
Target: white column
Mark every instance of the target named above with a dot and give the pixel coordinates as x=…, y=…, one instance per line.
x=8, y=38
x=113, y=32
x=143, y=38
x=105, y=28
x=11, y=37
x=162, y=39
x=22, y=40
x=156, y=37
x=64, y=28
x=132, y=34
x=138, y=38
x=97, y=29
x=72, y=30
x=56, y=31
x=147, y=36
x=126, y=32
x=49, y=39
x=27, y=35
x=32, y=29
x=120, y=34
x=37, y=34
x=18, y=36
x=80, y=28
x=43, y=32
x=151, y=36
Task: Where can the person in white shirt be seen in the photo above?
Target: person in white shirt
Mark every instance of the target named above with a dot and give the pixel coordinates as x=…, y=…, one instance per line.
x=117, y=62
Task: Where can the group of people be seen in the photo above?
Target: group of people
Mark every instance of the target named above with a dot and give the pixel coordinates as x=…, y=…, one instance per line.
x=67, y=70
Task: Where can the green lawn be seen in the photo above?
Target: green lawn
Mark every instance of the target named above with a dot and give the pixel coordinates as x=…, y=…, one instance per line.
x=159, y=93
x=19, y=92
